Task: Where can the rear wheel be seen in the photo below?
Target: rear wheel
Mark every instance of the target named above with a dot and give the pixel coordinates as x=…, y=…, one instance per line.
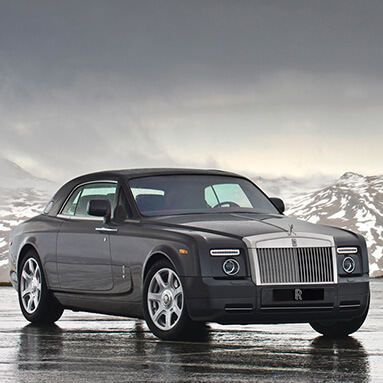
x=165, y=310
x=36, y=301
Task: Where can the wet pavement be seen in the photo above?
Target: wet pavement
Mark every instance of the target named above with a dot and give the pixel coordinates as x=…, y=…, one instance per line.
x=97, y=348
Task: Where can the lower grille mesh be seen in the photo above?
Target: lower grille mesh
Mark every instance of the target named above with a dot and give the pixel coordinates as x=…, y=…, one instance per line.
x=296, y=265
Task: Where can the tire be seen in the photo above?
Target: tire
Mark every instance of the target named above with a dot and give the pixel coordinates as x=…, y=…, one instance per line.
x=36, y=301
x=340, y=329
x=165, y=311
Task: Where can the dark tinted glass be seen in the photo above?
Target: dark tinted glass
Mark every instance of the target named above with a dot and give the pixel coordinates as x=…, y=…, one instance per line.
x=184, y=194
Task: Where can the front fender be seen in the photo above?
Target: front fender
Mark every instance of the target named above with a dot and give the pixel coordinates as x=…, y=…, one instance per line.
x=183, y=258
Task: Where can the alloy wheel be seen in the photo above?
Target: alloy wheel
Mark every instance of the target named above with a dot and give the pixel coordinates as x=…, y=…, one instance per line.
x=165, y=299
x=31, y=285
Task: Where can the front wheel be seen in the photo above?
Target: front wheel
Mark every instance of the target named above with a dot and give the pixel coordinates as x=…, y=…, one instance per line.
x=164, y=305
x=339, y=329
x=36, y=301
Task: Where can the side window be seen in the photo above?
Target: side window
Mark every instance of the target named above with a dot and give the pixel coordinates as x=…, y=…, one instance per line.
x=210, y=197
x=70, y=206
x=78, y=201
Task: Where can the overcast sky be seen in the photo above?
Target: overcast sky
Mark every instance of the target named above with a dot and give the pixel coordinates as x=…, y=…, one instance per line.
x=275, y=88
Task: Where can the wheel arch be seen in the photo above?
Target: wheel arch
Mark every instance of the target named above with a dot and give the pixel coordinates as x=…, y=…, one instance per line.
x=23, y=252
x=182, y=263
x=153, y=259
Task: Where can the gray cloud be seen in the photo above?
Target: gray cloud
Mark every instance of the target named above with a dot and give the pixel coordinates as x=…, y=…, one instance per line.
x=270, y=87
x=168, y=37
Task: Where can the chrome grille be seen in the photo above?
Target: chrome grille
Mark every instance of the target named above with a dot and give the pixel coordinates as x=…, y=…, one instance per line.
x=295, y=265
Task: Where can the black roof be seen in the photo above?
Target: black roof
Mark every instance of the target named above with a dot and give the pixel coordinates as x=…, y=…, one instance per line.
x=144, y=172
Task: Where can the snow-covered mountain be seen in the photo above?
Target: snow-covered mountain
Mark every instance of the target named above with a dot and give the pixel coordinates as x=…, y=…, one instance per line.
x=353, y=202
x=21, y=196
x=287, y=188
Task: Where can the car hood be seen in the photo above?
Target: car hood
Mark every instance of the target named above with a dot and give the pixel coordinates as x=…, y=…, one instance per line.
x=242, y=225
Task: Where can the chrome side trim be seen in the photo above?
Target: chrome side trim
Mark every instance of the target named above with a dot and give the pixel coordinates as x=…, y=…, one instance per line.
x=106, y=230
x=346, y=306
x=79, y=218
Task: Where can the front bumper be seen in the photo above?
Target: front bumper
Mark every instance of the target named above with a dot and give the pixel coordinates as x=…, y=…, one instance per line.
x=243, y=302
x=13, y=279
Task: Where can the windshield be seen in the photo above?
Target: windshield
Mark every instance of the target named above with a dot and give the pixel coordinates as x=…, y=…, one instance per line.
x=185, y=194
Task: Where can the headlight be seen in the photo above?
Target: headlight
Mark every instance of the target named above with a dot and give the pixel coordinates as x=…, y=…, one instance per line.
x=348, y=260
x=225, y=252
x=228, y=262
x=348, y=265
x=231, y=267
x=347, y=250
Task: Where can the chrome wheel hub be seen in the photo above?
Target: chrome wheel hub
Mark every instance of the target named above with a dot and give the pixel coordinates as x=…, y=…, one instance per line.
x=165, y=299
x=30, y=285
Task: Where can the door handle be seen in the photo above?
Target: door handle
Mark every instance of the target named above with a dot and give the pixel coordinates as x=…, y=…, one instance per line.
x=106, y=230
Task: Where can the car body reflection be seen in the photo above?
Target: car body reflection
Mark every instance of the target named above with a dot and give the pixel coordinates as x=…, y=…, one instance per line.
x=135, y=354
x=340, y=357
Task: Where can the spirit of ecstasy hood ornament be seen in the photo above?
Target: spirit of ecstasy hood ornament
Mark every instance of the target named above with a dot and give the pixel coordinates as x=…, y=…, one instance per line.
x=290, y=230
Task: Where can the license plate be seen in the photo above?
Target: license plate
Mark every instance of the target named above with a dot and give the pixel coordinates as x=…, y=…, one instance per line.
x=296, y=295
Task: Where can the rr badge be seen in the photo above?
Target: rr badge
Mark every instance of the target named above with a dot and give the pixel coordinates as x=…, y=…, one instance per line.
x=298, y=294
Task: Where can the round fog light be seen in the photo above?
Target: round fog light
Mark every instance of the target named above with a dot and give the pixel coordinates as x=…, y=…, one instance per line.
x=348, y=265
x=231, y=267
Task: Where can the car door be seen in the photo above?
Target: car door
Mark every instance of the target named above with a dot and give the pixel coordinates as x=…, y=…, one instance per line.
x=122, y=245
x=83, y=251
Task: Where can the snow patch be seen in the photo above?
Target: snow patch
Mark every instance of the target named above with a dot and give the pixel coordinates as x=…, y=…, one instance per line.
x=314, y=219
x=378, y=252
x=340, y=214
x=374, y=267
x=4, y=228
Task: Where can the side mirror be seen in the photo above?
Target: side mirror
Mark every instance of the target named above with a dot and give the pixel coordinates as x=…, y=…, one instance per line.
x=278, y=203
x=100, y=208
